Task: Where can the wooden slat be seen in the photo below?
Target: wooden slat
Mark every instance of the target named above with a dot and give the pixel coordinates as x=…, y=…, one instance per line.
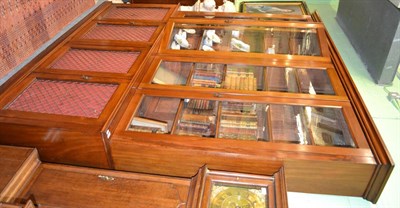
x=57, y=185
x=21, y=177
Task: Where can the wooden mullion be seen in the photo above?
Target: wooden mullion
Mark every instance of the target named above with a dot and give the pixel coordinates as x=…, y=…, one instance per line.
x=190, y=76
x=178, y=115
x=218, y=119
x=322, y=40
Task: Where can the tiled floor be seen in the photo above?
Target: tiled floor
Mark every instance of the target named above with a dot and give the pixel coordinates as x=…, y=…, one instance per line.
x=385, y=116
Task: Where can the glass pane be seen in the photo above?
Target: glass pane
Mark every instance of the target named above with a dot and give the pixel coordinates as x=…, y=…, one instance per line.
x=172, y=73
x=286, y=8
x=270, y=40
x=155, y=115
x=282, y=79
x=282, y=19
x=207, y=75
x=244, y=121
x=292, y=41
x=328, y=127
x=288, y=124
x=244, y=77
x=198, y=118
x=235, y=195
x=309, y=125
x=314, y=81
x=310, y=81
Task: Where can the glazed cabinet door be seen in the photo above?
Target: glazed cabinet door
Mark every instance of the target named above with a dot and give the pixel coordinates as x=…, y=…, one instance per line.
x=182, y=131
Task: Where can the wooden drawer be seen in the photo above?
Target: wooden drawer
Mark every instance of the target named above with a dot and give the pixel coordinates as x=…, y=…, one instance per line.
x=30, y=184
x=67, y=186
x=25, y=182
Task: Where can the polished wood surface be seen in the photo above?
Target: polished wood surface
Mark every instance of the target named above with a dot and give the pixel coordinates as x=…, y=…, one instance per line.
x=29, y=204
x=17, y=168
x=338, y=178
x=58, y=145
x=67, y=186
x=385, y=162
x=12, y=158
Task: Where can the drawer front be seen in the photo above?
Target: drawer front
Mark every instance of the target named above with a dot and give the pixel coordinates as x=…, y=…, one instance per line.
x=63, y=186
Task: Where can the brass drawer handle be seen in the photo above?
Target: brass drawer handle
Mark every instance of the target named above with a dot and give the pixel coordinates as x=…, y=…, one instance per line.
x=106, y=178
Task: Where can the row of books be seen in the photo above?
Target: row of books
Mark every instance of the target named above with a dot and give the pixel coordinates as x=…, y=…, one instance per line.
x=240, y=79
x=198, y=118
x=247, y=121
x=148, y=125
x=240, y=83
x=202, y=78
x=239, y=121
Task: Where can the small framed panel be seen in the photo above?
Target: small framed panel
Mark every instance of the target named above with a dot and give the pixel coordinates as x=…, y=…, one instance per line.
x=275, y=7
x=138, y=12
x=120, y=33
x=221, y=189
x=115, y=62
x=70, y=98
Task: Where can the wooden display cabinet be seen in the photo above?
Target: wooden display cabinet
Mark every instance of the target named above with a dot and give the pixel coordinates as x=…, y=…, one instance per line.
x=260, y=95
x=252, y=110
x=64, y=102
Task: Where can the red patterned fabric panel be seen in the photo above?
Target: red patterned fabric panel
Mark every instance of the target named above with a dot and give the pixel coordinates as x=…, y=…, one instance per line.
x=64, y=98
x=120, y=32
x=27, y=24
x=96, y=61
x=136, y=13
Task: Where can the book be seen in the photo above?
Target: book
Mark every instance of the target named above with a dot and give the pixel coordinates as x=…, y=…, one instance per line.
x=146, y=129
x=166, y=76
x=150, y=123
